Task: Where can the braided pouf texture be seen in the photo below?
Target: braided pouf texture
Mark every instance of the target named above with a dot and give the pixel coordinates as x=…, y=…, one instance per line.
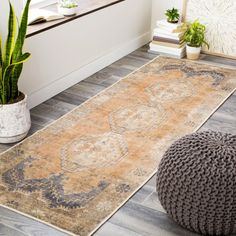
x=196, y=182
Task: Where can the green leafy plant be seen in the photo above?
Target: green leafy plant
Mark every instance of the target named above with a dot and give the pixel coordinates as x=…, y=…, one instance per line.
x=12, y=57
x=195, y=35
x=68, y=4
x=172, y=15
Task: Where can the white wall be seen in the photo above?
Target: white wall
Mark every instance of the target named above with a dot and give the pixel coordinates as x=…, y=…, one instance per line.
x=160, y=6
x=66, y=54
x=4, y=7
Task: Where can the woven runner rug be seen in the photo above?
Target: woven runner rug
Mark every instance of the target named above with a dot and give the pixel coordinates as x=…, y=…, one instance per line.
x=78, y=171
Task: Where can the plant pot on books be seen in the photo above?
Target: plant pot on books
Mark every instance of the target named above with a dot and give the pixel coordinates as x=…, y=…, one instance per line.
x=67, y=7
x=14, y=115
x=14, y=120
x=172, y=15
x=193, y=53
x=67, y=11
x=195, y=38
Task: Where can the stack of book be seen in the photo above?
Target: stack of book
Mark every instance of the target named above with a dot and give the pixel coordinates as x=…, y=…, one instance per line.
x=168, y=39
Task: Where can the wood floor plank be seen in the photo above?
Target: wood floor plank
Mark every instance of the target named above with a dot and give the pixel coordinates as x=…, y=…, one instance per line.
x=71, y=98
x=153, y=202
x=98, y=78
x=112, y=80
x=34, y=128
x=218, y=125
x=110, y=229
x=218, y=60
x=143, y=54
x=143, y=193
x=6, y=230
x=133, y=62
x=51, y=110
x=147, y=221
x=85, y=89
x=25, y=225
x=39, y=120
x=4, y=147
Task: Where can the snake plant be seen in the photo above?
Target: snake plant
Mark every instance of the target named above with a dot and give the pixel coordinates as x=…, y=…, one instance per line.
x=11, y=55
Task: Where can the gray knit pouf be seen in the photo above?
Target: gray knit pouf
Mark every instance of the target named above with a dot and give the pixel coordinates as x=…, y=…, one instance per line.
x=196, y=182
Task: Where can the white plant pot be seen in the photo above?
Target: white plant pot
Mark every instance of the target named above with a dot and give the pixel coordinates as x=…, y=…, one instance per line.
x=14, y=121
x=67, y=11
x=193, y=53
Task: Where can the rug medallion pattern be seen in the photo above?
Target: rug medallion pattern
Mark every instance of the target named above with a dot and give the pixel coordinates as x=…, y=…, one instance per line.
x=77, y=171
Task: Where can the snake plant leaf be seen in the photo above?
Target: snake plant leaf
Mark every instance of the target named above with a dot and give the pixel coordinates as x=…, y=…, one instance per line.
x=0, y=64
x=23, y=58
x=0, y=85
x=9, y=77
x=0, y=52
x=15, y=74
x=0, y=78
x=21, y=33
x=10, y=41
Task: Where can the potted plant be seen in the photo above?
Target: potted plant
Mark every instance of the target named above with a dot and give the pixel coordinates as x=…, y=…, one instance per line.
x=67, y=7
x=195, y=38
x=172, y=15
x=14, y=115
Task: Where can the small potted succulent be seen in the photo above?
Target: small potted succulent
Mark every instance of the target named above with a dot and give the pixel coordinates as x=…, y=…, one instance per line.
x=172, y=15
x=195, y=38
x=14, y=114
x=67, y=7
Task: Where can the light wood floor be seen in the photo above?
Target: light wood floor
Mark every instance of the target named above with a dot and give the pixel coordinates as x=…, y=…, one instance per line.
x=142, y=215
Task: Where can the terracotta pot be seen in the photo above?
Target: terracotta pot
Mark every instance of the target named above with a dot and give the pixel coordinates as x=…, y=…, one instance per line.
x=193, y=53
x=14, y=121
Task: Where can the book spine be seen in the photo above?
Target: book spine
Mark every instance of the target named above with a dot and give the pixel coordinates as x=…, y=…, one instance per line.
x=167, y=49
x=177, y=30
x=172, y=45
x=166, y=54
x=167, y=40
x=166, y=37
x=165, y=34
x=168, y=25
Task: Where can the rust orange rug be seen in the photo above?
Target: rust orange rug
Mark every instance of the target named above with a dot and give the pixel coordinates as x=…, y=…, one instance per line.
x=77, y=171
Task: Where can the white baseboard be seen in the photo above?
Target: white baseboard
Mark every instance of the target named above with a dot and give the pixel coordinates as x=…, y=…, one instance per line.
x=63, y=83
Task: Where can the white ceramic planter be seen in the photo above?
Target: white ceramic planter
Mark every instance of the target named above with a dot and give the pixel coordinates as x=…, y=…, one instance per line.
x=14, y=121
x=67, y=11
x=193, y=53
